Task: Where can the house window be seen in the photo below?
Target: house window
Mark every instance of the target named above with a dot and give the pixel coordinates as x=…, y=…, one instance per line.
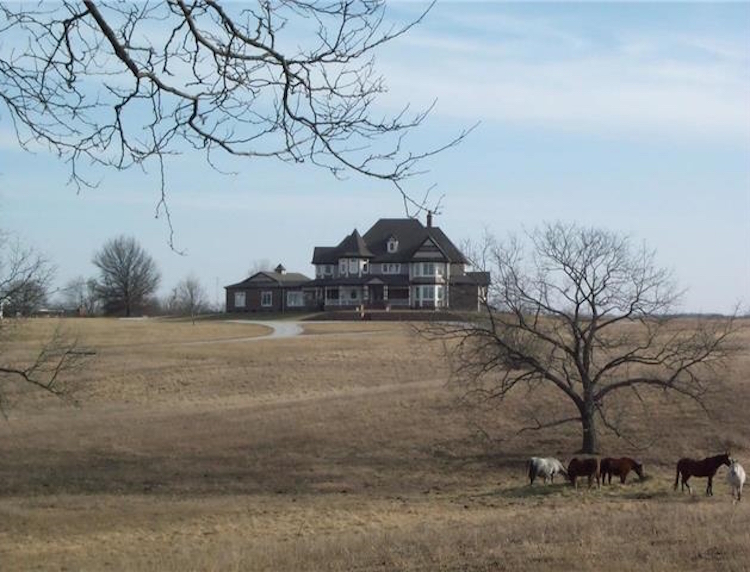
x=354, y=294
x=295, y=299
x=440, y=291
x=239, y=299
x=328, y=269
x=365, y=267
x=353, y=266
x=342, y=266
x=391, y=268
x=392, y=244
x=428, y=292
x=332, y=294
x=266, y=299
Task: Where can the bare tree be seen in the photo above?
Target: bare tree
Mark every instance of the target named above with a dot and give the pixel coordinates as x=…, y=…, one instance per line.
x=24, y=271
x=81, y=293
x=24, y=276
x=260, y=265
x=585, y=312
x=118, y=84
x=128, y=276
x=188, y=298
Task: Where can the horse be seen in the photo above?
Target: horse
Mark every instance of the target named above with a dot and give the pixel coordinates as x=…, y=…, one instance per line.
x=736, y=478
x=588, y=467
x=620, y=467
x=705, y=468
x=545, y=467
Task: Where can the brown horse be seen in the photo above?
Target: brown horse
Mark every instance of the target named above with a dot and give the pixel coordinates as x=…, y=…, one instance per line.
x=620, y=467
x=704, y=468
x=588, y=467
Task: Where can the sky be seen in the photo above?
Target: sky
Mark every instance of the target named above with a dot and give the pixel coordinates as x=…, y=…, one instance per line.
x=634, y=117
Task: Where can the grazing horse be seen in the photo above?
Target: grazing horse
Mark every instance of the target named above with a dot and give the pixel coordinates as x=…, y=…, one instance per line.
x=620, y=467
x=588, y=467
x=736, y=478
x=545, y=467
x=704, y=468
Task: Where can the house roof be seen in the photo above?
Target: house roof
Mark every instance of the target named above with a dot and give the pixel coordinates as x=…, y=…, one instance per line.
x=410, y=233
x=266, y=278
x=353, y=246
x=478, y=278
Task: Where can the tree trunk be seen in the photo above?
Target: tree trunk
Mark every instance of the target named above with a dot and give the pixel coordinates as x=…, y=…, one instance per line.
x=590, y=438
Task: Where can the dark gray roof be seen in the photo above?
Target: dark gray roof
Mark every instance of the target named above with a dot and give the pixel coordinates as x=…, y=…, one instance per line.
x=410, y=233
x=325, y=255
x=259, y=279
x=478, y=278
x=353, y=247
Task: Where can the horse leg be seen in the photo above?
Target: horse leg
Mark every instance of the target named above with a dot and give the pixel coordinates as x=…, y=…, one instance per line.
x=677, y=480
x=623, y=476
x=685, y=483
x=709, y=487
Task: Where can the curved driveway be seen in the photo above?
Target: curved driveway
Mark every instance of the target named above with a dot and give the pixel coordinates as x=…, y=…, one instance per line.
x=279, y=329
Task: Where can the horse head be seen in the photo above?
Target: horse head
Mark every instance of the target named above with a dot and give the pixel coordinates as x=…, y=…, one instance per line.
x=725, y=459
x=638, y=468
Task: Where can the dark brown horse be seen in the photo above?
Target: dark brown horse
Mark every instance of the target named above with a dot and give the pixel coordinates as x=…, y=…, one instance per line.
x=704, y=468
x=588, y=467
x=619, y=467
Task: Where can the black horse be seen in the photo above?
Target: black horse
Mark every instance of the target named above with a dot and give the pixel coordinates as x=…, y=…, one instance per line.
x=704, y=468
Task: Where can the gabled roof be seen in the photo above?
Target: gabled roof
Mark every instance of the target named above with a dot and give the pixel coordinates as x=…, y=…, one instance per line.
x=409, y=232
x=411, y=235
x=353, y=246
x=274, y=278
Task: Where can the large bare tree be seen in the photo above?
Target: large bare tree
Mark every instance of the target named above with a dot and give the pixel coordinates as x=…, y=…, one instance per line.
x=128, y=276
x=585, y=312
x=117, y=84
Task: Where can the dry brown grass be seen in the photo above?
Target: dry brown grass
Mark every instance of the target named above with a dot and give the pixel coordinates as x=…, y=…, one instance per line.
x=338, y=450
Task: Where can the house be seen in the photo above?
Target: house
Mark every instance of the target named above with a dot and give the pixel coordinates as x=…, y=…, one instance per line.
x=277, y=291
x=398, y=263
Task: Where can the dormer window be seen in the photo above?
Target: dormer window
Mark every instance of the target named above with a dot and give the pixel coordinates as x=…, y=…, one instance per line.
x=392, y=244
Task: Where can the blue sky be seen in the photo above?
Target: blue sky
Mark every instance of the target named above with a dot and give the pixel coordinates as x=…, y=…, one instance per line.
x=634, y=117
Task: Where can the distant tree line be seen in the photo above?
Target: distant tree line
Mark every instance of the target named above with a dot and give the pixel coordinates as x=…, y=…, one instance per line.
x=126, y=284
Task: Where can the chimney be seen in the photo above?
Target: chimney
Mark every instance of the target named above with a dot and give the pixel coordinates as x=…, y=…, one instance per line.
x=280, y=269
x=429, y=219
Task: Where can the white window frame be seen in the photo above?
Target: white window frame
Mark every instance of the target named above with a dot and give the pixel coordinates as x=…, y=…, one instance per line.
x=392, y=245
x=266, y=299
x=353, y=266
x=428, y=293
x=240, y=296
x=440, y=293
x=343, y=265
x=366, y=267
x=392, y=268
x=328, y=270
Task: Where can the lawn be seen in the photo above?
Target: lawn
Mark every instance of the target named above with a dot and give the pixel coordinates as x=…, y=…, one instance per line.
x=341, y=449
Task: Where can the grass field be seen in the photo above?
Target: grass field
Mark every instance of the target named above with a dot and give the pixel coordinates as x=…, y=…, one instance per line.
x=204, y=448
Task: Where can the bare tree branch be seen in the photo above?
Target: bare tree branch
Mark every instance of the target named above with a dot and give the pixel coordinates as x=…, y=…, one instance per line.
x=116, y=85
x=584, y=311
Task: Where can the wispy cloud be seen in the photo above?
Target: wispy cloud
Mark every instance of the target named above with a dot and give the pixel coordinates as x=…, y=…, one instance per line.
x=633, y=82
